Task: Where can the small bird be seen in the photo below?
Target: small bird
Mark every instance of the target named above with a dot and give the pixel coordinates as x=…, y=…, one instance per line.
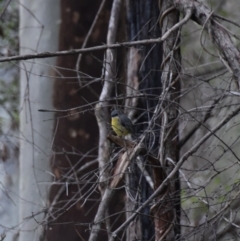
x=121, y=124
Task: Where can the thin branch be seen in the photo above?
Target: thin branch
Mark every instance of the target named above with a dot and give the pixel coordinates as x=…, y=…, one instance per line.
x=230, y=55
x=145, y=173
x=199, y=124
x=227, y=20
x=101, y=47
x=176, y=168
x=100, y=215
x=4, y=9
x=201, y=198
x=108, y=193
x=86, y=40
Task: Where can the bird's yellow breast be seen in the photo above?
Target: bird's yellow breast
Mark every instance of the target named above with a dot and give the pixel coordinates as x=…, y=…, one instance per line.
x=118, y=128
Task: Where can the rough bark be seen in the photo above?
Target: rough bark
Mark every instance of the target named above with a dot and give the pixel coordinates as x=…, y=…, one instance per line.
x=143, y=76
x=169, y=208
x=220, y=36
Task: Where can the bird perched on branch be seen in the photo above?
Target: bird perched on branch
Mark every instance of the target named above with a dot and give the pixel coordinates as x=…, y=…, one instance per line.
x=121, y=124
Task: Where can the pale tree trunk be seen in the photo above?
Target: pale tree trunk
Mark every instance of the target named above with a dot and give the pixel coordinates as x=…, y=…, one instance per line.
x=39, y=31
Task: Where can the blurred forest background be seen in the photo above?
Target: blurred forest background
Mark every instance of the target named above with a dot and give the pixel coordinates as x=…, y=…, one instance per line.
x=172, y=66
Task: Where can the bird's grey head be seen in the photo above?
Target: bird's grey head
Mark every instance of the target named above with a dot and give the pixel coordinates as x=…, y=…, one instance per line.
x=114, y=113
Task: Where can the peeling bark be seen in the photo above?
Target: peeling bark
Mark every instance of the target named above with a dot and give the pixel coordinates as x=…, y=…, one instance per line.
x=219, y=35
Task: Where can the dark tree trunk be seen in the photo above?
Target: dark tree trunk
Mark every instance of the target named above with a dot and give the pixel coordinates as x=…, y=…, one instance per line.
x=77, y=134
x=143, y=74
x=145, y=70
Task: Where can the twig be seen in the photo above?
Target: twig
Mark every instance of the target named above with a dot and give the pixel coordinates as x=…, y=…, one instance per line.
x=106, y=198
x=199, y=124
x=176, y=168
x=145, y=173
x=103, y=206
x=163, y=133
x=219, y=36
x=124, y=162
x=169, y=10
x=86, y=40
x=227, y=20
x=101, y=47
x=202, y=199
x=4, y=9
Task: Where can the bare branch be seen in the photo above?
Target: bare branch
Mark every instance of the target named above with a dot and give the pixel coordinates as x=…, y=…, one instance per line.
x=97, y=48
x=176, y=168
x=4, y=8
x=230, y=55
x=102, y=115
x=86, y=40
x=199, y=124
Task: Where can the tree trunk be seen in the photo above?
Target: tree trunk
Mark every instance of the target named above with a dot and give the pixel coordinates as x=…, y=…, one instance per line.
x=36, y=134
x=76, y=136
x=143, y=75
